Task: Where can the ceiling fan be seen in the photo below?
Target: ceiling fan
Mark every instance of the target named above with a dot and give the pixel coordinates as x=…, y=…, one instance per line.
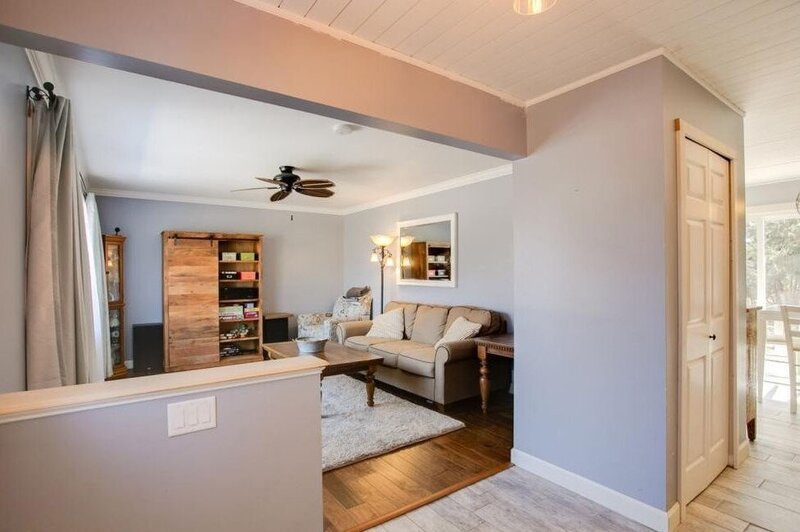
x=287, y=181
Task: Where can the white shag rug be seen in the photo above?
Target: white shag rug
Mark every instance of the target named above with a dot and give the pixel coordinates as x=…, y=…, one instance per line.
x=352, y=431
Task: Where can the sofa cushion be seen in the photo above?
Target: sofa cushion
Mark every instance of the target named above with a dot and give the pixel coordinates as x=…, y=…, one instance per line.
x=460, y=329
x=409, y=314
x=429, y=324
x=489, y=321
x=362, y=343
x=420, y=361
x=390, y=350
x=388, y=325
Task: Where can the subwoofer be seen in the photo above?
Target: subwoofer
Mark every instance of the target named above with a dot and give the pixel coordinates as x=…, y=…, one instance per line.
x=148, y=348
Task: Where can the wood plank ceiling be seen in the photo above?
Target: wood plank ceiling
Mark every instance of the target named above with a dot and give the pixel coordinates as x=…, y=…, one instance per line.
x=748, y=50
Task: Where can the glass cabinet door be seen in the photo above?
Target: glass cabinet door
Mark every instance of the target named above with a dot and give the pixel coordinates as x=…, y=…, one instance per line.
x=114, y=272
x=115, y=322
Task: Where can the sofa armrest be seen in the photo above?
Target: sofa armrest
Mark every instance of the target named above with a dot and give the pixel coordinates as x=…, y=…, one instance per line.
x=456, y=350
x=346, y=329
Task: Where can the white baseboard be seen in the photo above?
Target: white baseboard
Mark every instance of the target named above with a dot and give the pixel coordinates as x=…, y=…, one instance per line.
x=638, y=511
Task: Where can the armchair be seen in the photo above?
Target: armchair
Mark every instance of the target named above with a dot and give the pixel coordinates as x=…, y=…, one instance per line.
x=323, y=324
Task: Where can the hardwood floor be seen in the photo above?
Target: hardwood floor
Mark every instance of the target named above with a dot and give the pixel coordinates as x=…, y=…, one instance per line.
x=367, y=493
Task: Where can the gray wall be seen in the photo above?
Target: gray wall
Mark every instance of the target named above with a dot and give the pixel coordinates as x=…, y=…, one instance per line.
x=485, y=275
x=590, y=274
x=686, y=99
x=770, y=193
x=302, y=259
x=15, y=74
x=595, y=243
x=114, y=468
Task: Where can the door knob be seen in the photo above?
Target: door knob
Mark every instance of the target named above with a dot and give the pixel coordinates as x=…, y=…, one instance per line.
x=713, y=336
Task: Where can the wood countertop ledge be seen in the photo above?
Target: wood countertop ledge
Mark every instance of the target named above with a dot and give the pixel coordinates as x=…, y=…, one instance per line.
x=17, y=406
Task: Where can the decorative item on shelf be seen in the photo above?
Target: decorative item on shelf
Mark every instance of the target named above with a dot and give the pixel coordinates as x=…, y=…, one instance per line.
x=251, y=311
x=236, y=292
x=231, y=313
x=246, y=256
x=382, y=256
x=248, y=276
x=228, y=275
x=230, y=350
x=227, y=256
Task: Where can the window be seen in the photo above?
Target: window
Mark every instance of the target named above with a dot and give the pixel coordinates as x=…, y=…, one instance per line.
x=772, y=246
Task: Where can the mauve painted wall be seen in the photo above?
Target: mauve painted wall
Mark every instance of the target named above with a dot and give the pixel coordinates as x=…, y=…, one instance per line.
x=240, y=48
x=485, y=265
x=15, y=73
x=302, y=259
x=114, y=468
x=590, y=270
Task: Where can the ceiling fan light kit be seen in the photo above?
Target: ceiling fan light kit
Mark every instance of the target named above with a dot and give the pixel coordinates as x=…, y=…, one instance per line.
x=287, y=182
x=532, y=7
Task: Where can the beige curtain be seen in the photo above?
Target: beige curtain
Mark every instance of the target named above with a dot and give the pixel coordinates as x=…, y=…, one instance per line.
x=61, y=348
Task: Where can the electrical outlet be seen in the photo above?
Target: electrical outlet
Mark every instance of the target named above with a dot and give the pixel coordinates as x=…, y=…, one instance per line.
x=191, y=416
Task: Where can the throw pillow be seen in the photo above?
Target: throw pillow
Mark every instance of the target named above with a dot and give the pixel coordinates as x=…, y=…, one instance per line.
x=388, y=325
x=461, y=329
x=356, y=292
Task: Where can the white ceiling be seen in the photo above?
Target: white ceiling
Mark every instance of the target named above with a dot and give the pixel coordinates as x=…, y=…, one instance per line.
x=145, y=137
x=748, y=50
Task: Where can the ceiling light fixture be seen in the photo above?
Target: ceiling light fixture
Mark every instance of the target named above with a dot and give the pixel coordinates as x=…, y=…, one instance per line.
x=533, y=7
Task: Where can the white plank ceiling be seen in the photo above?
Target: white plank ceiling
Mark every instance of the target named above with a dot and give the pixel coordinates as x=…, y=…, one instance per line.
x=748, y=50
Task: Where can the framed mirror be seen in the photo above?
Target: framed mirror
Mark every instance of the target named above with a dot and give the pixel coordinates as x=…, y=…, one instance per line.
x=427, y=251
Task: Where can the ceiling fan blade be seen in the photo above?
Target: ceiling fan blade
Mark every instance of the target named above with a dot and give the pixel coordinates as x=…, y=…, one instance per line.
x=280, y=195
x=269, y=180
x=315, y=183
x=254, y=188
x=315, y=192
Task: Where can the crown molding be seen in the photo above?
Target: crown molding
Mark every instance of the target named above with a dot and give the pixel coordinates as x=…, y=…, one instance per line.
x=777, y=181
x=261, y=5
x=619, y=67
x=703, y=83
x=469, y=179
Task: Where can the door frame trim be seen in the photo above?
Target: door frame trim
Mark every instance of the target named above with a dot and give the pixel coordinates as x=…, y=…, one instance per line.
x=736, y=454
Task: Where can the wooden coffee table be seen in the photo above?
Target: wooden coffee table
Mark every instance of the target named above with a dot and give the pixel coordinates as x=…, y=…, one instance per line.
x=341, y=360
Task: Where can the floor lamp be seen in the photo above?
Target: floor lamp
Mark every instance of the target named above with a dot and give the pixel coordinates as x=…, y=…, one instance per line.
x=382, y=256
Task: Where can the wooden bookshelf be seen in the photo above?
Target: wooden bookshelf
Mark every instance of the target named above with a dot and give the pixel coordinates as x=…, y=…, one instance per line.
x=193, y=329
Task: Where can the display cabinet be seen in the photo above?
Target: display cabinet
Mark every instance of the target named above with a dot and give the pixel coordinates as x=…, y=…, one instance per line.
x=114, y=255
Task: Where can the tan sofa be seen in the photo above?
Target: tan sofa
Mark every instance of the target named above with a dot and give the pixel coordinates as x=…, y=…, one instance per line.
x=443, y=375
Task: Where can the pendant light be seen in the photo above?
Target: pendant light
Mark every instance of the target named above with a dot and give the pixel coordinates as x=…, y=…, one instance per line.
x=533, y=7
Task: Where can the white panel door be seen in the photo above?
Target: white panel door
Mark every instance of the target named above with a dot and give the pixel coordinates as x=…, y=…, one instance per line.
x=704, y=194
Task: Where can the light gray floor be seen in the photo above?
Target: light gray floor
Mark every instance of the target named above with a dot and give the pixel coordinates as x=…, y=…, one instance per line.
x=514, y=501
x=764, y=494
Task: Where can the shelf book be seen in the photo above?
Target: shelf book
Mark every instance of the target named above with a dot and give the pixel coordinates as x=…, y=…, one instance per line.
x=213, y=299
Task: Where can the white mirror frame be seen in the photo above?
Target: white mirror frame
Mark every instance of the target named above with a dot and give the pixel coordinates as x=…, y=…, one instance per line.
x=453, y=219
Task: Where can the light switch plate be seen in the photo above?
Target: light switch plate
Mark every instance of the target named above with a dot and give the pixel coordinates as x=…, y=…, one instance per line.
x=191, y=416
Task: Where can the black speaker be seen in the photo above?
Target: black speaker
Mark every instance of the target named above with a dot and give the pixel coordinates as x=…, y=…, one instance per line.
x=148, y=348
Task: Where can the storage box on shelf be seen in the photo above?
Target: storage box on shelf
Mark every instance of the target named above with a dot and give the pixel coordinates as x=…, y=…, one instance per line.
x=212, y=299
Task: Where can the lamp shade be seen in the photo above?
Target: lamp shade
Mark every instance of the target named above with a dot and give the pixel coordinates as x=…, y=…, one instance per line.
x=390, y=261
x=533, y=7
x=373, y=257
x=406, y=261
x=382, y=240
x=405, y=241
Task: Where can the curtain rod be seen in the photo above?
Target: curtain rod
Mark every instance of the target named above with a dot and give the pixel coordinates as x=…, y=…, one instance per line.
x=47, y=94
